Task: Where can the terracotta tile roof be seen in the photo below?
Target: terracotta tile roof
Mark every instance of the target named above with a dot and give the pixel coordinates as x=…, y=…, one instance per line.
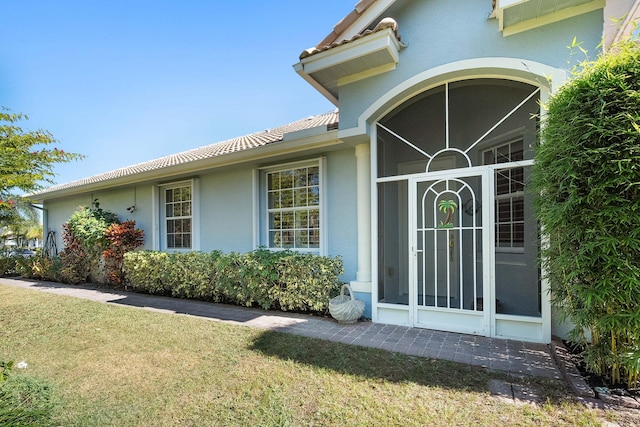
x=346, y=22
x=382, y=25
x=242, y=143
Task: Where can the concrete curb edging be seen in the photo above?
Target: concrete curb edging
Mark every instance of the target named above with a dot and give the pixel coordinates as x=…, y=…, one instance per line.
x=569, y=371
x=581, y=389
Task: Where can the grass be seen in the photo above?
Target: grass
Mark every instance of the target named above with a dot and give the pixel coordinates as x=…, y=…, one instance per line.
x=25, y=401
x=113, y=365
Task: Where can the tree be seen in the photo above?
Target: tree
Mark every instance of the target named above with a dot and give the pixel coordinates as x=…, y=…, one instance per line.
x=19, y=222
x=26, y=165
x=587, y=180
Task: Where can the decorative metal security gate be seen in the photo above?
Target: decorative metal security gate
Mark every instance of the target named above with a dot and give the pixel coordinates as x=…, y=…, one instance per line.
x=448, y=246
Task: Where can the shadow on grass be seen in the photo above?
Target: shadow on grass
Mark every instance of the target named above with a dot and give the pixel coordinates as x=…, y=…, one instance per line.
x=371, y=363
x=166, y=304
x=381, y=365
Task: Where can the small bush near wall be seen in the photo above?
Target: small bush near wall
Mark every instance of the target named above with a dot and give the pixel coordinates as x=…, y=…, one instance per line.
x=40, y=268
x=121, y=238
x=95, y=241
x=33, y=267
x=84, y=242
x=8, y=266
x=283, y=280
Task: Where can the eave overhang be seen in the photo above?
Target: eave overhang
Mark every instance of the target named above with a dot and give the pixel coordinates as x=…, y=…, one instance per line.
x=366, y=55
x=516, y=16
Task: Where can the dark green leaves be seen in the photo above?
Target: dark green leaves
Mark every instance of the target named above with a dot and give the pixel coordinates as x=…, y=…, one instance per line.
x=587, y=176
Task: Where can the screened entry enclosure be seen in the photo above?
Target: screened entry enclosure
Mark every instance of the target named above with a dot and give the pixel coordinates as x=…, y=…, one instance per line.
x=458, y=242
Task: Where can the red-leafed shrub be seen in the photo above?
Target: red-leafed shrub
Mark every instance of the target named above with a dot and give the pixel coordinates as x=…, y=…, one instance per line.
x=121, y=238
x=75, y=262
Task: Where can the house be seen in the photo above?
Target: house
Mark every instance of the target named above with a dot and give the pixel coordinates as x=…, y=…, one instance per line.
x=419, y=183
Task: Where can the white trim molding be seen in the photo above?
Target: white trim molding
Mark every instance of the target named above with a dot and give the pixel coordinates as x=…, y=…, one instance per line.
x=363, y=204
x=538, y=74
x=158, y=240
x=260, y=209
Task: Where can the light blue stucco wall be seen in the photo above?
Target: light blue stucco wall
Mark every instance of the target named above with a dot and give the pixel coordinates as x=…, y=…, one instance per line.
x=341, y=209
x=227, y=211
x=441, y=32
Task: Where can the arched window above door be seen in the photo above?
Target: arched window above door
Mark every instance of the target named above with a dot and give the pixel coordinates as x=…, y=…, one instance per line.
x=454, y=124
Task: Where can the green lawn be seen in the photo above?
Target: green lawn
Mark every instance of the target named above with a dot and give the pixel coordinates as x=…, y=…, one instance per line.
x=113, y=365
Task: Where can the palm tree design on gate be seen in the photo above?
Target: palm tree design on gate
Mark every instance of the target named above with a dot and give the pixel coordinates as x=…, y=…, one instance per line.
x=447, y=207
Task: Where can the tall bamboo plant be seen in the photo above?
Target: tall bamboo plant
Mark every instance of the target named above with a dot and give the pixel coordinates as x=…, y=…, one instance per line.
x=587, y=180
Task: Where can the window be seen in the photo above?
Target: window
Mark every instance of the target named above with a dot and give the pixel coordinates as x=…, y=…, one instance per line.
x=509, y=197
x=178, y=216
x=294, y=208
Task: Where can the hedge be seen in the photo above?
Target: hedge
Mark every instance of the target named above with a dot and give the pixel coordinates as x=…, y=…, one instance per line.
x=8, y=265
x=283, y=280
x=587, y=179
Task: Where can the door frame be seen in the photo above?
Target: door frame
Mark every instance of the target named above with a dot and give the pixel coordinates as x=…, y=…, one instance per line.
x=534, y=329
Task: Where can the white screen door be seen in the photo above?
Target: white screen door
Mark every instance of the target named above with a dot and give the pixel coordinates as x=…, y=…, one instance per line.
x=450, y=284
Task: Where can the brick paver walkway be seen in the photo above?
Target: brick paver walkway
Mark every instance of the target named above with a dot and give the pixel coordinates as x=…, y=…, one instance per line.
x=516, y=357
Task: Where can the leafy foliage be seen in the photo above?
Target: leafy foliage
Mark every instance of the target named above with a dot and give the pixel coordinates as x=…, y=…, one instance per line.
x=8, y=265
x=41, y=267
x=88, y=225
x=23, y=163
x=94, y=246
x=587, y=178
x=26, y=164
x=84, y=242
x=280, y=280
x=121, y=238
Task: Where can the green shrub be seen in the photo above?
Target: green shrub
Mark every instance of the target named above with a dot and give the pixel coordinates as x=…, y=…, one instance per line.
x=7, y=266
x=95, y=242
x=40, y=267
x=281, y=280
x=190, y=275
x=84, y=242
x=587, y=177
x=147, y=271
x=307, y=281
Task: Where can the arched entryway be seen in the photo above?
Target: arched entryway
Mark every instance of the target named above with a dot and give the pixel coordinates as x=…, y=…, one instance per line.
x=457, y=237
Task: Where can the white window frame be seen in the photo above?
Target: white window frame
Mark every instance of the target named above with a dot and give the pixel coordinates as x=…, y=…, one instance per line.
x=511, y=195
x=261, y=210
x=159, y=215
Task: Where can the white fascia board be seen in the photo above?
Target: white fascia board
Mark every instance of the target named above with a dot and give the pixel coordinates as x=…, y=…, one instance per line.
x=380, y=40
x=503, y=4
x=327, y=139
x=551, y=18
x=299, y=68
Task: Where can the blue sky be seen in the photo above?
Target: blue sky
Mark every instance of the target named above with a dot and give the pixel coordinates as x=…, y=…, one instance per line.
x=126, y=81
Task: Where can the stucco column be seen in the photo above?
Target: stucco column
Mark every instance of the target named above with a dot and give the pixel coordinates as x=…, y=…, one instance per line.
x=363, y=187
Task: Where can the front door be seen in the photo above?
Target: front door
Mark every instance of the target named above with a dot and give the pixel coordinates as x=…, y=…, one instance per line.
x=450, y=285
